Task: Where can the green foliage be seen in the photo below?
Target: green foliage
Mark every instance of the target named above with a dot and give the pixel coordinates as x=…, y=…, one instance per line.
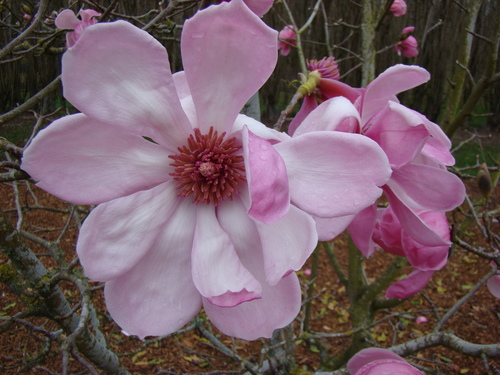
x=471, y=152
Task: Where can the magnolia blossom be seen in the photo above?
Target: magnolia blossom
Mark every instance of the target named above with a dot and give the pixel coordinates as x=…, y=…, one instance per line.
x=286, y=40
x=381, y=228
x=197, y=204
x=408, y=45
x=375, y=361
x=68, y=20
x=398, y=8
x=417, y=149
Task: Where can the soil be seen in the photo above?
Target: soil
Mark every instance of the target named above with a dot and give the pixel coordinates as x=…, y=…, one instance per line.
x=477, y=321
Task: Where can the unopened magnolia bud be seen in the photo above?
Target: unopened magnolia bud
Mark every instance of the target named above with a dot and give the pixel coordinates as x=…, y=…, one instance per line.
x=484, y=180
x=27, y=9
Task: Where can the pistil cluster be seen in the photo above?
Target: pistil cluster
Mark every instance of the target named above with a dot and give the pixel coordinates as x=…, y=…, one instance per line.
x=209, y=167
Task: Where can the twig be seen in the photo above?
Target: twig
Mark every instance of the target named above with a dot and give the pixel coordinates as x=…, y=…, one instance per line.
x=35, y=99
x=464, y=299
x=40, y=15
x=222, y=348
x=449, y=341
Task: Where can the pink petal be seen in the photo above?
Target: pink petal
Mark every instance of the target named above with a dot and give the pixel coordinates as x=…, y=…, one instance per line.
x=410, y=285
x=279, y=304
x=66, y=20
x=185, y=97
x=394, y=80
x=284, y=48
x=334, y=174
x=421, y=319
x=399, y=132
x=87, y=14
x=425, y=258
x=277, y=308
x=387, y=232
x=429, y=258
x=438, y=145
x=217, y=271
x=117, y=234
x=158, y=296
x=329, y=228
x=86, y=162
x=361, y=230
x=259, y=7
x=412, y=224
x=308, y=105
x=120, y=75
x=258, y=129
x=330, y=88
x=334, y=114
x=267, y=179
x=387, y=366
x=434, y=150
x=287, y=243
x=228, y=53
x=429, y=188
x=366, y=356
x=494, y=285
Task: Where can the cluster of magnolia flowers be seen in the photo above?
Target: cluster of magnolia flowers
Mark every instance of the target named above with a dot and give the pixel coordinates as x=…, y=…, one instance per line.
x=201, y=206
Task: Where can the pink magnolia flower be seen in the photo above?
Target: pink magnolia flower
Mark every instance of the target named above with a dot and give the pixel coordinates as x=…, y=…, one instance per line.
x=286, y=40
x=381, y=228
x=197, y=205
x=417, y=149
x=398, y=8
x=408, y=45
x=259, y=7
x=67, y=20
x=375, y=361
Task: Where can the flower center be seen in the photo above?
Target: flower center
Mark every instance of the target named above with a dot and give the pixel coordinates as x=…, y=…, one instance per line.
x=208, y=167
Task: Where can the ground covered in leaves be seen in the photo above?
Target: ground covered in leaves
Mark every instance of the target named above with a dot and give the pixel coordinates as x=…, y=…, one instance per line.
x=23, y=349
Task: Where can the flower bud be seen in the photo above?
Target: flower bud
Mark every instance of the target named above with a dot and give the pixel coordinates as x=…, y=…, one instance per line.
x=398, y=8
x=286, y=40
x=27, y=9
x=484, y=180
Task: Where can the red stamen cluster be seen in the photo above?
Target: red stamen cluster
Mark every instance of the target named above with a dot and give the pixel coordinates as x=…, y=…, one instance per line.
x=208, y=167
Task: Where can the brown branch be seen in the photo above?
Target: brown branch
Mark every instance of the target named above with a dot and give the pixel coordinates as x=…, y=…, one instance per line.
x=449, y=341
x=40, y=16
x=35, y=99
